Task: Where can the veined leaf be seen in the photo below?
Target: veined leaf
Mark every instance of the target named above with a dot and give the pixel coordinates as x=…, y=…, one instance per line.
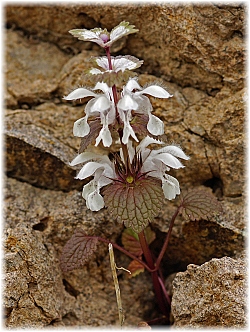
x=130, y=240
x=135, y=268
x=77, y=251
x=199, y=204
x=95, y=127
x=134, y=204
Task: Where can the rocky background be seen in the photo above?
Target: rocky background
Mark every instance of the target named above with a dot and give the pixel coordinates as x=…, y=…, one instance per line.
x=198, y=53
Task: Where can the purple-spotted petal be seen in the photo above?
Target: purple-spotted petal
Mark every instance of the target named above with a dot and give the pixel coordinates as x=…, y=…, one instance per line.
x=81, y=127
x=170, y=187
x=155, y=126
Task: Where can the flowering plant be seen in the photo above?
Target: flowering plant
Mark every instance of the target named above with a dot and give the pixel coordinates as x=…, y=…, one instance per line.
x=133, y=184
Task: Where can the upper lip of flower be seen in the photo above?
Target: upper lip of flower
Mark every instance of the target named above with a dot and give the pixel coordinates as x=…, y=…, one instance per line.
x=155, y=163
x=133, y=98
x=100, y=104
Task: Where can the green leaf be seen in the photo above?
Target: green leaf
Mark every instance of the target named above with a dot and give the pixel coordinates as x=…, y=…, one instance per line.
x=130, y=240
x=199, y=204
x=134, y=204
x=77, y=251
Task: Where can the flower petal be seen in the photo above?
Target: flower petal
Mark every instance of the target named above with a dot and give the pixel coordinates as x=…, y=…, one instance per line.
x=88, y=189
x=85, y=156
x=133, y=85
x=80, y=93
x=170, y=187
x=169, y=160
x=105, y=136
x=146, y=141
x=81, y=127
x=128, y=131
x=102, y=86
x=100, y=104
x=175, y=151
x=95, y=201
x=155, y=126
x=155, y=91
x=127, y=103
x=88, y=170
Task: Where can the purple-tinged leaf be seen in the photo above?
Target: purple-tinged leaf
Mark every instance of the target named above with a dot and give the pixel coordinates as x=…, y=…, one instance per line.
x=130, y=240
x=77, y=251
x=135, y=268
x=95, y=127
x=198, y=204
x=112, y=78
x=134, y=204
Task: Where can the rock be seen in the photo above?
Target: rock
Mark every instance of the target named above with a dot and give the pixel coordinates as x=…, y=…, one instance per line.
x=211, y=295
x=37, y=294
x=30, y=280
x=188, y=44
x=31, y=78
x=197, y=53
x=35, y=155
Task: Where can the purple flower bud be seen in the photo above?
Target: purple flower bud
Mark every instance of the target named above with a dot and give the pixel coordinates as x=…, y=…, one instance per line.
x=104, y=37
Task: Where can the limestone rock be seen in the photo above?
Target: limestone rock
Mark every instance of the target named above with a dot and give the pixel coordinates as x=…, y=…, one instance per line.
x=37, y=294
x=193, y=45
x=211, y=295
x=197, y=53
x=34, y=154
x=31, y=77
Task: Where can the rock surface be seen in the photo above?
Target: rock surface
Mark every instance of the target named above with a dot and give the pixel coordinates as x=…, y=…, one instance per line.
x=197, y=52
x=213, y=294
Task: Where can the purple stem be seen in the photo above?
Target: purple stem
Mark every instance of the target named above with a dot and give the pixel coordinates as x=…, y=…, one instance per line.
x=122, y=250
x=155, y=277
x=166, y=242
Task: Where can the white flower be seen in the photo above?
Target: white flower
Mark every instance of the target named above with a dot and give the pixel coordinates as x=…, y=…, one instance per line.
x=103, y=171
x=100, y=105
x=125, y=106
x=118, y=63
x=101, y=36
x=155, y=126
x=156, y=163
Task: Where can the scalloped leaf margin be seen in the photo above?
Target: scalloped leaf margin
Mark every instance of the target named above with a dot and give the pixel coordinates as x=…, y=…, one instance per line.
x=134, y=204
x=77, y=251
x=199, y=204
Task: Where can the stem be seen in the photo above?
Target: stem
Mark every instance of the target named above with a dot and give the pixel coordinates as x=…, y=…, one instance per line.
x=166, y=242
x=124, y=251
x=155, y=278
x=114, y=90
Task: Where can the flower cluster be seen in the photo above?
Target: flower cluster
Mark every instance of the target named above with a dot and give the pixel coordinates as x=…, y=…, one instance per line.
x=126, y=113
